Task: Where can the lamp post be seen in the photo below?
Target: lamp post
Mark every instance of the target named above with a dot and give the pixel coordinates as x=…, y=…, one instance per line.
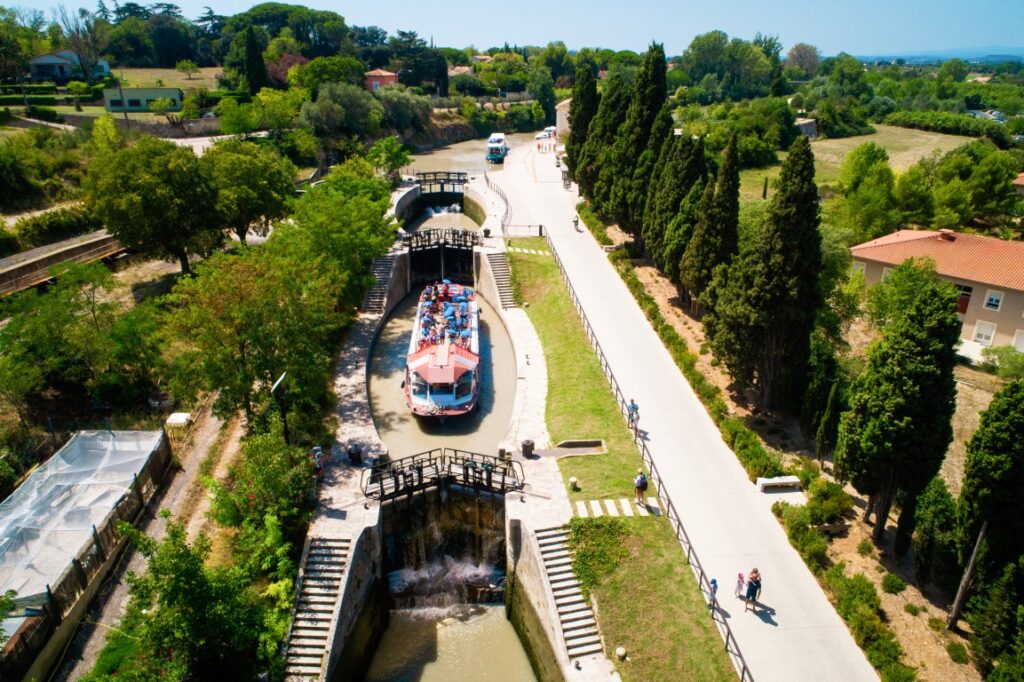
x=281, y=407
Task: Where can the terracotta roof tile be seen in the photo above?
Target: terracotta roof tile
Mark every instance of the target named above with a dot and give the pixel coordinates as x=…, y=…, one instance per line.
x=966, y=256
x=1019, y=180
x=379, y=72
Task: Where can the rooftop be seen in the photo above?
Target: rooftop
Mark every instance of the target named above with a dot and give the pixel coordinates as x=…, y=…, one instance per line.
x=960, y=256
x=379, y=72
x=1019, y=180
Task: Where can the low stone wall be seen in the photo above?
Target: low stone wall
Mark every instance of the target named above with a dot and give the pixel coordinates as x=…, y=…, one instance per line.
x=528, y=608
x=361, y=615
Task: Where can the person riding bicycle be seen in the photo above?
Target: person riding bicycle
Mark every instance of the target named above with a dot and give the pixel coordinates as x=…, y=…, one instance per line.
x=633, y=412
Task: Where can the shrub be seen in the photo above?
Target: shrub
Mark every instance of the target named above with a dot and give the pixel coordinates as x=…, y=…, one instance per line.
x=827, y=502
x=953, y=124
x=893, y=584
x=936, y=560
x=807, y=470
x=912, y=609
x=593, y=223
x=597, y=547
x=865, y=547
x=958, y=652
x=936, y=623
x=53, y=226
x=8, y=243
x=44, y=114
x=30, y=100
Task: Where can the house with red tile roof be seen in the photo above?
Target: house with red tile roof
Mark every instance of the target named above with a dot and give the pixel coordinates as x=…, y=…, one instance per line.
x=378, y=78
x=988, y=272
x=1018, y=182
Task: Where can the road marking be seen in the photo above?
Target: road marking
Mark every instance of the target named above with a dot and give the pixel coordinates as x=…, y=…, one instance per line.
x=610, y=506
x=627, y=506
x=581, y=509
x=595, y=508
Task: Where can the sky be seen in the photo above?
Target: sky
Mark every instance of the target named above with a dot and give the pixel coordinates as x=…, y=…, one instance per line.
x=863, y=27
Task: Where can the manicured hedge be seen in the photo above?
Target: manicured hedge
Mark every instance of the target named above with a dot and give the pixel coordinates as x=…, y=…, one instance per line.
x=29, y=89
x=593, y=224
x=16, y=100
x=43, y=114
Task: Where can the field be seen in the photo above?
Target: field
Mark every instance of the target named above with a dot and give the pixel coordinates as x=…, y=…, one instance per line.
x=207, y=77
x=96, y=111
x=905, y=147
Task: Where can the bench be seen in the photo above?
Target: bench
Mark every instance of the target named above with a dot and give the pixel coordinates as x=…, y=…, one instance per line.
x=778, y=482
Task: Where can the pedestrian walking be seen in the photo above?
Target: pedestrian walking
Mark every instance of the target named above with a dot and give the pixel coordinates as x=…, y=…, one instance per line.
x=633, y=413
x=712, y=595
x=740, y=584
x=640, y=486
x=753, y=590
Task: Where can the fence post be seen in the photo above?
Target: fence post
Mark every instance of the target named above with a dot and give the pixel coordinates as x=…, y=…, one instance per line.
x=138, y=492
x=99, y=543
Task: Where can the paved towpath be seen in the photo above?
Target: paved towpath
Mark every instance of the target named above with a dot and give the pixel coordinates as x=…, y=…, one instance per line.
x=798, y=636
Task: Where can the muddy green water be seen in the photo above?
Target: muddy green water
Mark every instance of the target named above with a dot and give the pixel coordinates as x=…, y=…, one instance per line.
x=478, y=643
x=469, y=156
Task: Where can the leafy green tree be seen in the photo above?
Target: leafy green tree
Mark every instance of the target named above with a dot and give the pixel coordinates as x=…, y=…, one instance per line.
x=993, y=194
x=952, y=204
x=542, y=88
x=235, y=338
x=235, y=118
x=78, y=90
x=762, y=310
x=187, y=67
x=913, y=195
x=869, y=208
x=277, y=110
x=341, y=109
x=162, y=106
x=1006, y=361
x=894, y=437
x=993, y=475
x=253, y=185
x=194, y=622
x=804, y=57
x=715, y=237
x=621, y=191
x=858, y=163
x=935, y=537
x=154, y=197
x=254, y=69
x=388, y=156
x=894, y=295
x=954, y=70
x=602, y=132
x=340, y=69
x=582, y=109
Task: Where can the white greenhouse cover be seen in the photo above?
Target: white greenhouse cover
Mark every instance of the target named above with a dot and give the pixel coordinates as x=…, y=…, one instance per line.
x=49, y=518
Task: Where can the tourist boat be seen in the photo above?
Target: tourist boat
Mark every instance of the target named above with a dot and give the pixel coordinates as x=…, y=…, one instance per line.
x=497, y=148
x=442, y=369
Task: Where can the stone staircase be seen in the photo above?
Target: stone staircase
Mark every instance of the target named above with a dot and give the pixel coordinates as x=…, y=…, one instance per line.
x=319, y=589
x=579, y=627
x=377, y=296
x=502, y=278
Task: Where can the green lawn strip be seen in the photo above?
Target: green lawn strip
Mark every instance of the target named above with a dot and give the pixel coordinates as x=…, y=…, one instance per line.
x=580, y=403
x=647, y=600
x=646, y=595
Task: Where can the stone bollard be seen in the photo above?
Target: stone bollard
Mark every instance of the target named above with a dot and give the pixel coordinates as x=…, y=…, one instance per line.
x=573, y=483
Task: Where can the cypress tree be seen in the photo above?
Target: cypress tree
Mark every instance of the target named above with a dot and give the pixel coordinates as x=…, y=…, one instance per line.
x=254, y=68
x=677, y=236
x=828, y=427
x=770, y=295
x=620, y=196
x=682, y=165
x=582, y=109
x=647, y=169
x=601, y=134
x=716, y=233
x=894, y=436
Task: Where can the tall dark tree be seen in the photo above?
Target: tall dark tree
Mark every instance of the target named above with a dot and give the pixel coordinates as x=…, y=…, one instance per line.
x=254, y=69
x=602, y=132
x=582, y=108
x=681, y=164
x=621, y=191
x=763, y=309
x=715, y=237
x=680, y=229
x=993, y=479
x=647, y=168
x=894, y=437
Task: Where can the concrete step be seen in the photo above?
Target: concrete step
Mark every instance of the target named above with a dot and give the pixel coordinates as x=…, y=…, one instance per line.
x=560, y=566
x=581, y=637
x=554, y=553
x=308, y=641
x=574, y=609
x=552, y=540
x=548, y=532
x=563, y=581
x=305, y=660
x=578, y=619
x=579, y=652
x=570, y=600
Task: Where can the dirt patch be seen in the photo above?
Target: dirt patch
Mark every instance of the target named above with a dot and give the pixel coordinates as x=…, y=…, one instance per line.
x=196, y=516
x=925, y=647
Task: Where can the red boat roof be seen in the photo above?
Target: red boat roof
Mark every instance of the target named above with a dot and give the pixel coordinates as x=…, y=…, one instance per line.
x=442, y=363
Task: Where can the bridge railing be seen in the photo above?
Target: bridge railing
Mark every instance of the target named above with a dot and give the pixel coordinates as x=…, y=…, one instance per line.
x=440, y=465
x=671, y=513
x=513, y=231
x=506, y=216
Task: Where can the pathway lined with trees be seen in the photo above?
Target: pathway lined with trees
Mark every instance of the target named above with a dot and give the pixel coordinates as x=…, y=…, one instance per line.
x=797, y=635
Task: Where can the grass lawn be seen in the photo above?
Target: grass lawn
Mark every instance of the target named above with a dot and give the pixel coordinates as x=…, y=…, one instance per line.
x=649, y=603
x=139, y=78
x=97, y=111
x=905, y=146
x=580, y=403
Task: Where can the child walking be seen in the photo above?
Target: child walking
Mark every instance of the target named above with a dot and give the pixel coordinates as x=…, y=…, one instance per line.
x=740, y=584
